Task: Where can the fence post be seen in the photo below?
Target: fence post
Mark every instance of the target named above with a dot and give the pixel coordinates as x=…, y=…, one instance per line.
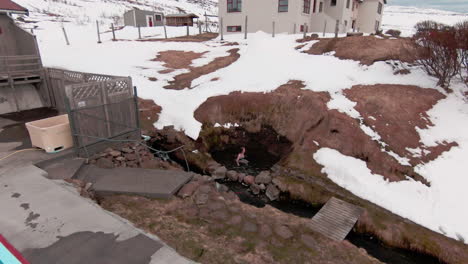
x=325, y=28
x=206, y=22
x=71, y=118
x=113, y=32
x=294, y=28
x=137, y=111
x=164, y=24
x=304, y=29
x=221, y=29
x=65, y=35
x=199, y=27
x=246, y=28
x=98, y=33
x=337, y=28
x=273, y=32
x=139, y=32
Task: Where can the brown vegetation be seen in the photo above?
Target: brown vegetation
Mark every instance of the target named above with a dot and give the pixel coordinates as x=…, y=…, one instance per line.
x=193, y=38
x=367, y=49
x=177, y=59
x=149, y=113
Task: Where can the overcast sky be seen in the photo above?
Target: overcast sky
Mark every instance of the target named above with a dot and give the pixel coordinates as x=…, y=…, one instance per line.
x=451, y=5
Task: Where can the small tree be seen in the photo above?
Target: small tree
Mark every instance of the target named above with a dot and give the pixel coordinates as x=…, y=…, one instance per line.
x=462, y=40
x=439, y=56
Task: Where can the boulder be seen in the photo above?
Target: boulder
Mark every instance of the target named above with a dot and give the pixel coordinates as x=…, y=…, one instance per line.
x=232, y=175
x=188, y=189
x=272, y=192
x=264, y=177
x=249, y=179
x=255, y=189
x=219, y=173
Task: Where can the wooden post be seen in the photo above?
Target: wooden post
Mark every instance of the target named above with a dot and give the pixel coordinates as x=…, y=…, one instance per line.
x=199, y=27
x=188, y=33
x=206, y=22
x=325, y=28
x=164, y=24
x=139, y=32
x=221, y=28
x=304, y=29
x=273, y=32
x=113, y=32
x=337, y=28
x=65, y=35
x=246, y=28
x=294, y=28
x=98, y=33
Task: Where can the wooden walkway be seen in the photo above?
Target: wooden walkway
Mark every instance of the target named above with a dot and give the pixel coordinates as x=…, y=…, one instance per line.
x=336, y=219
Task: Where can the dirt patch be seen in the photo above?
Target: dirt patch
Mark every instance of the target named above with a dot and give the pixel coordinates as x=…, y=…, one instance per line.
x=194, y=38
x=211, y=226
x=176, y=59
x=367, y=50
x=184, y=80
x=153, y=79
x=302, y=116
x=394, y=111
x=149, y=113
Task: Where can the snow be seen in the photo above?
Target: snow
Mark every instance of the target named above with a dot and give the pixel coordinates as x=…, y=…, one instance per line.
x=404, y=18
x=265, y=64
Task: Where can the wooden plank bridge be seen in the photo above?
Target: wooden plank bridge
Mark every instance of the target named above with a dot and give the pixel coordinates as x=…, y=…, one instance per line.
x=336, y=219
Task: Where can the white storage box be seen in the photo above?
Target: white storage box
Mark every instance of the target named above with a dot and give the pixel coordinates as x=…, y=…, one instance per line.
x=51, y=134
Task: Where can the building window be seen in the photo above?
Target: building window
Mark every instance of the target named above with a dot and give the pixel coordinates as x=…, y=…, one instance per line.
x=306, y=7
x=283, y=5
x=234, y=6
x=320, y=7
x=333, y=3
x=315, y=6
x=379, y=9
x=234, y=28
x=158, y=18
x=347, y=3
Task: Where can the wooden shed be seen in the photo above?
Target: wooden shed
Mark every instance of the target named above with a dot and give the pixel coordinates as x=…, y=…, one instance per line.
x=179, y=20
x=21, y=71
x=143, y=18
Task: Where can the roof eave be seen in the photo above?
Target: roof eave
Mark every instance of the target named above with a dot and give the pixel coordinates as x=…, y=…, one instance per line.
x=9, y=11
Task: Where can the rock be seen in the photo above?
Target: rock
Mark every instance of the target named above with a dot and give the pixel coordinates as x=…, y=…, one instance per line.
x=188, y=189
x=215, y=206
x=204, y=213
x=309, y=241
x=120, y=158
x=249, y=179
x=105, y=163
x=264, y=177
x=249, y=227
x=220, y=215
x=190, y=213
x=219, y=173
x=265, y=231
x=255, y=189
x=221, y=187
x=151, y=164
x=201, y=198
x=283, y=231
x=127, y=150
x=204, y=189
x=235, y=220
x=230, y=196
x=115, y=153
x=262, y=186
x=232, y=175
x=130, y=156
x=314, y=36
x=240, y=177
x=272, y=192
x=206, y=178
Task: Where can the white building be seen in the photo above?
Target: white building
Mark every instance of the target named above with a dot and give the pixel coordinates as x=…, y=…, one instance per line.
x=293, y=16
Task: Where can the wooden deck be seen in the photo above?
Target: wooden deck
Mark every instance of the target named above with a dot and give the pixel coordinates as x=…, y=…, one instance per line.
x=336, y=219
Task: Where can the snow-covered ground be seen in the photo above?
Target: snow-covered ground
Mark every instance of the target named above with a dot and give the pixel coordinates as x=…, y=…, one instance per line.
x=265, y=64
x=404, y=18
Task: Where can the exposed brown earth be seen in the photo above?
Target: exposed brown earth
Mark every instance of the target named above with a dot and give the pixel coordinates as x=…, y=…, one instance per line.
x=394, y=111
x=149, y=113
x=193, y=38
x=309, y=125
x=184, y=80
x=211, y=226
x=367, y=49
x=176, y=59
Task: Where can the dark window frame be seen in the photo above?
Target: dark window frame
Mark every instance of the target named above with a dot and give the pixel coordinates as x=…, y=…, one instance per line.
x=281, y=4
x=321, y=7
x=158, y=18
x=333, y=2
x=234, y=6
x=234, y=28
x=347, y=3
x=306, y=6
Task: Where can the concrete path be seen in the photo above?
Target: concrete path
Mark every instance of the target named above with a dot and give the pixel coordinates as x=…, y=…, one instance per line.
x=160, y=184
x=50, y=223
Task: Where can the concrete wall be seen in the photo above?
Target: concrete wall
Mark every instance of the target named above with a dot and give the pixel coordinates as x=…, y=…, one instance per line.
x=137, y=17
x=14, y=40
x=368, y=15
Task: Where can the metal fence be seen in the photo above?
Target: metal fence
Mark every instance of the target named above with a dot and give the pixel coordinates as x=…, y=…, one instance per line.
x=102, y=109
